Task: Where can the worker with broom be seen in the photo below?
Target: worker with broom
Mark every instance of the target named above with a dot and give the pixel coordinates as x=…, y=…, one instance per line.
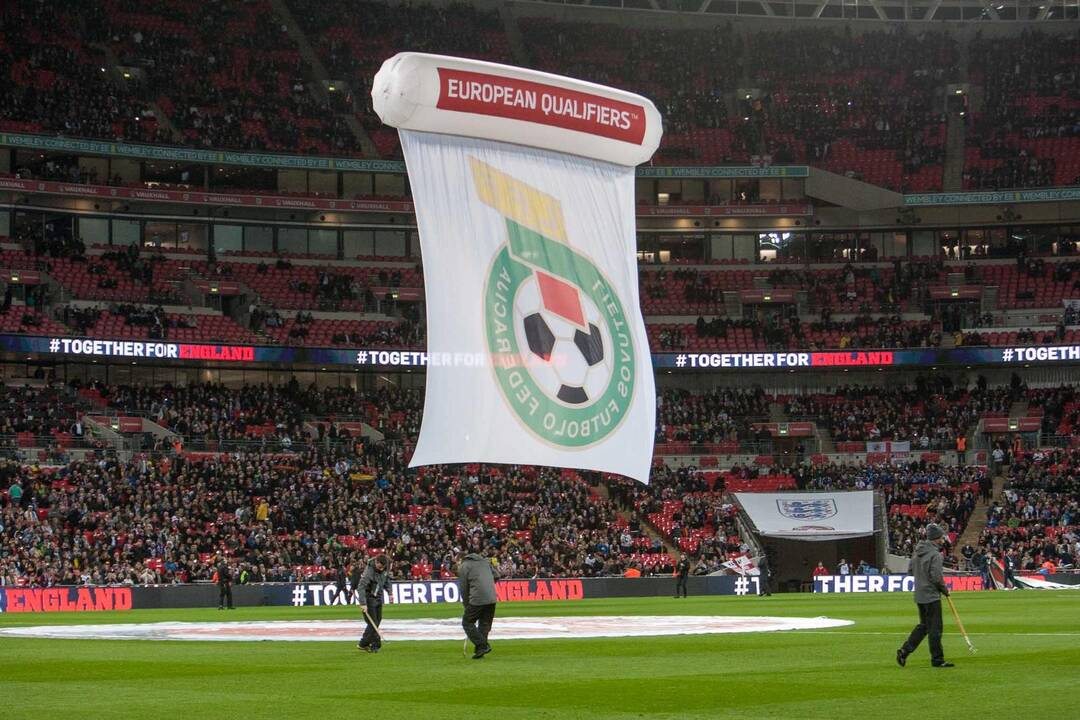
x=926, y=567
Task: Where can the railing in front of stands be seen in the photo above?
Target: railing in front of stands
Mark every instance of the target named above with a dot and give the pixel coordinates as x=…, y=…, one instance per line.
x=1060, y=441
x=284, y=161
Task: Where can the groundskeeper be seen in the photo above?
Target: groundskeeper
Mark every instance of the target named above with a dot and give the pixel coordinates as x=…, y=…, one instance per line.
x=929, y=587
x=476, y=581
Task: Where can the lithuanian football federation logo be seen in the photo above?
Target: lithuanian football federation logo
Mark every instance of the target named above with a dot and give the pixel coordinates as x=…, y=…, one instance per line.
x=558, y=335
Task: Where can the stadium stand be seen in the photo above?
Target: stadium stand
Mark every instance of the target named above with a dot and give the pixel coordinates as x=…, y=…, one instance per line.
x=374, y=334
x=823, y=103
x=711, y=417
x=296, y=482
x=140, y=323
x=303, y=452
x=928, y=414
x=1028, y=133
x=20, y=319
x=1037, y=519
x=251, y=94
x=353, y=38
x=56, y=82
x=820, y=102
x=863, y=305
x=295, y=517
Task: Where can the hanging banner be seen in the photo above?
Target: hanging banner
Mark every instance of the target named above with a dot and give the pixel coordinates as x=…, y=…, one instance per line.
x=529, y=251
x=888, y=446
x=811, y=516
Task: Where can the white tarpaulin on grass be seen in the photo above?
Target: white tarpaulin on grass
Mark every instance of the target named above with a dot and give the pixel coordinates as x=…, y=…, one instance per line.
x=811, y=516
x=523, y=184
x=1038, y=583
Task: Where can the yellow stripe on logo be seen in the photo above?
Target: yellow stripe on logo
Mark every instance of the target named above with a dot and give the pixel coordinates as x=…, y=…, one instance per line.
x=518, y=201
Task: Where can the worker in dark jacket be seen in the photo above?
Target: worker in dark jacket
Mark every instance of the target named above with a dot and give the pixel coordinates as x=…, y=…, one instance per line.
x=223, y=575
x=370, y=587
x=476, y=581
x=356, y=569
x=682, y=570
x=341, y=584
x=930, y=585
x=764, y=576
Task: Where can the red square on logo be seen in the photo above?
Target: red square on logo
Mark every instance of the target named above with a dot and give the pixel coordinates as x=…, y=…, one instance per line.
x=561, y=298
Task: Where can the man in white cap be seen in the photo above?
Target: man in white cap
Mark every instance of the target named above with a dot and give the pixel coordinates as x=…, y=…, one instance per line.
x=929, y=587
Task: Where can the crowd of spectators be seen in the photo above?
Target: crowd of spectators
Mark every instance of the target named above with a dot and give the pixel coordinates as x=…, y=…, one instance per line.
x=876, y=90
x=263, y=316
x=226, y=73
x=301, y=509
x=50, y=242
x=874, y=289
x=1026, y=336
x=319, y=495
x=688, y=512
x=1037, y=519
x=203, y=414
x=690, y=95
x=1029, y=114
x=55, y=82
x=698, y=288
x=929, y=414
x=405, y=334
x=40, y=411
x=785, y=331
x=776, y=330
x=1016, y=169
x=80, y=319
x=354, y=37
x=1059, y=406
x=229, y=74
x=57, y=168
x=711, y=416
x=235, y=418
x=270, y=417
x=297, y=516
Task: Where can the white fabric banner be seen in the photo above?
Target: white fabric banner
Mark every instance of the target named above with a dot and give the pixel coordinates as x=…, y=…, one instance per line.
x=742, y=565
x=537, y=352
x=889, y=446
x=811, y=516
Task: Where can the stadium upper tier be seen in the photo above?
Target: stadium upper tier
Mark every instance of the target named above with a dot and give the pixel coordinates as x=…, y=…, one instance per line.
x=294, y=77
x=57, y=286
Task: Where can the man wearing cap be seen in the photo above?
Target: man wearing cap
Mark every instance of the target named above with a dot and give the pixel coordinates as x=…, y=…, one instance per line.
x=930, y=585
x=370, y=587
x=476, y=583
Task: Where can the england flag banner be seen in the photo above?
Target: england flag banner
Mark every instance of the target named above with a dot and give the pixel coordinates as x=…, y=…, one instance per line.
x=811, y=516
x=523, y=184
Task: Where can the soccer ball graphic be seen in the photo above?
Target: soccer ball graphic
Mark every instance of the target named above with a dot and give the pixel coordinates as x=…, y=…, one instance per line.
x=565, y=343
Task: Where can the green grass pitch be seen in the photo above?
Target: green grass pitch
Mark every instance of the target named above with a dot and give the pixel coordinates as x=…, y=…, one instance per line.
x=1028, y=642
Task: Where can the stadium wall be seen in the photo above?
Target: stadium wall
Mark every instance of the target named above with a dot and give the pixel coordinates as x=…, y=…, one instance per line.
x=906, y=583
x=86, y=599
x=95, y=599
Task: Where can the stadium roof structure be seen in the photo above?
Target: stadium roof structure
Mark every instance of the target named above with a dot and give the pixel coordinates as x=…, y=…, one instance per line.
x=880, y=10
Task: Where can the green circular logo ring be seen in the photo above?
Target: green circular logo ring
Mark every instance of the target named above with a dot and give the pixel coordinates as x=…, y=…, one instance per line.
x=544, y=416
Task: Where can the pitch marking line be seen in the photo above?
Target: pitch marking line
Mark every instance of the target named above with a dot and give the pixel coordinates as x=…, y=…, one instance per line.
x=509, y=628
x=904, y=633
